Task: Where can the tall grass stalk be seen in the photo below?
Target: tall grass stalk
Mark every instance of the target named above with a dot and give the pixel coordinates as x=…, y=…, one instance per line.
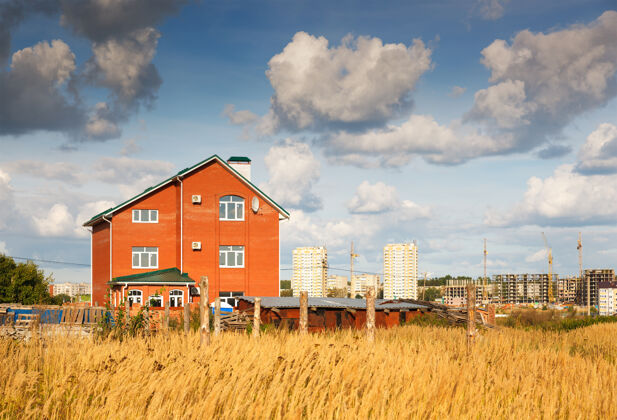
x=409, y=372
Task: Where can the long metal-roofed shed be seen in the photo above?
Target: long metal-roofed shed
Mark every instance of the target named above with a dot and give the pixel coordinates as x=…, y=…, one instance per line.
x=331, y=313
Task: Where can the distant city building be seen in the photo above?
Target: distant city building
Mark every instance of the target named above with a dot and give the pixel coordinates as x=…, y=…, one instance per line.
x=336, y=281
x=523, y=288
x=310, y=271
x=595, y=276
x=400, y=271
x=455, y=293
x=567, y=288
x=71, y=289
x=359, y=283
x=607, y=291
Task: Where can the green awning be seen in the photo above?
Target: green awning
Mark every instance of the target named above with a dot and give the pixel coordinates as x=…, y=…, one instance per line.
x=165, y=276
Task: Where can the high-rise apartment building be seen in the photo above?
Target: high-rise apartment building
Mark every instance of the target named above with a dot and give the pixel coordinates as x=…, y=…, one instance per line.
x=607, y=292
x=359, y=283
x=336, y=281
x=400, y=271
x=594, y=276
x=310, y=271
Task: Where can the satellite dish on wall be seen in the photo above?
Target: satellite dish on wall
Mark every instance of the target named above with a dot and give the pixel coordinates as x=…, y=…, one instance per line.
x=255, y=204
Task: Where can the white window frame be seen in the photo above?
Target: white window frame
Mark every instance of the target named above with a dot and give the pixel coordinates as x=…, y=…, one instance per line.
x=136, y=296
x=176, y=293
x=234, y=201
x=137, y=216
x=227, y=251
x=158, y=297
x=144, y=250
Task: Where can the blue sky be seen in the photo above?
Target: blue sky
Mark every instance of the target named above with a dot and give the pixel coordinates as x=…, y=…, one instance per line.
x=443, y=122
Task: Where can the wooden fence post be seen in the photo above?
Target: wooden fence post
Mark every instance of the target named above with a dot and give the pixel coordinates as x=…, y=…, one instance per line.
x=127, y=311
x=166, y=319
x=303, y=326
x=217, y=316
x=204, y=310
x=491, y=315
x=370, y=313
x=187, y=317
x=256, y=317
x=471, y=314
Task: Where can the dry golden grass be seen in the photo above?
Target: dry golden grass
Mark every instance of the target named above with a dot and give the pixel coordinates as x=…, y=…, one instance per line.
x=410, y=372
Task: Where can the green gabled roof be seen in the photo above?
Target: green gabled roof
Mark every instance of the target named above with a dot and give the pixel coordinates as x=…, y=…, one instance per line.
x=111, y=210
x=167, y=275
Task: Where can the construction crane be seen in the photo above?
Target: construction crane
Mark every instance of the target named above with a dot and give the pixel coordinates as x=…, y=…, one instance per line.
x=579, y=247
x=484, y=291
x=352, y=256
x=549, y=251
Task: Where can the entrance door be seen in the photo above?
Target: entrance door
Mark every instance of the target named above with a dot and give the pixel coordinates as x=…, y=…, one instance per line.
x=176, y=298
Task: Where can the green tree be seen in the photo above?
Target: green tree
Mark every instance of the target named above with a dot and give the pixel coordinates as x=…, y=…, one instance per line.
x=431, y=294
x=287, y=292
x=23, y=283
x=285, y=284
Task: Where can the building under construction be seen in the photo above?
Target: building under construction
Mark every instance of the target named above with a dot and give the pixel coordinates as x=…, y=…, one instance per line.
x=567, y=288
x=455, y=293
x=594, y=276
x=523, y=289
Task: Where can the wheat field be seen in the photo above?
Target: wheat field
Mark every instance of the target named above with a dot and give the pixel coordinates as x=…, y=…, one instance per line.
x=409, y=372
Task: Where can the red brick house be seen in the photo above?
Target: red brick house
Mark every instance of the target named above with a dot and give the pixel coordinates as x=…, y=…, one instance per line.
x=207, y=220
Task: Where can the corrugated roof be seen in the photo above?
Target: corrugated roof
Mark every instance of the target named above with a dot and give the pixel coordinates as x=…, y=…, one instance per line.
x=184, y=171
x=167, y=275
x=318, y=302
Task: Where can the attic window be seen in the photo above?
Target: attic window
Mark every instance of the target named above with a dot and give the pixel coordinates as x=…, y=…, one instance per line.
x=145, y=216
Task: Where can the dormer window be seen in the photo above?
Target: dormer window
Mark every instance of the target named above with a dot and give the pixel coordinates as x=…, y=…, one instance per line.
x=145, y=216
x=231, y=207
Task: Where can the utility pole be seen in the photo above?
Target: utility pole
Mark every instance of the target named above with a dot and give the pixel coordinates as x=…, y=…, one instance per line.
x=579, y=246
x=351, y=257
x=424, y=287
x=484, y=291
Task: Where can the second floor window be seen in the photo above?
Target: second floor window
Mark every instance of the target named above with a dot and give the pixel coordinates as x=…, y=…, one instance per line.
x=145, y=257
x=145, y=216
x=231, y=207
x=231, y=256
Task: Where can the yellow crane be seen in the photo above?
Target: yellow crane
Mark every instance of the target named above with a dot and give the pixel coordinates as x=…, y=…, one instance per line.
x=484, y=288
x=549, y=251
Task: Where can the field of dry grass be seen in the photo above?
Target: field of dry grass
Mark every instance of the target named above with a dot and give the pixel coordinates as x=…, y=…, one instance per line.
x=410, y=372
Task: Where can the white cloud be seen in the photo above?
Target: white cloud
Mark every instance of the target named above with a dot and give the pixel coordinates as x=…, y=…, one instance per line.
x=125, y=65
x=490, y=9
x=504, y=103
x=457, y=91
x=564, y=198
x=3, y=249
x=382, y=198
x=541, y=81
x=60, y=171
x=7, y=209
x=239, y=117
x=373, y=198
x=420, y=135
x=99, y=125
x=57, y=222
x=131, y=146
x=53, y=62
x=599, y=153
x=540, y=255
x=293, y=171
x=362, y=81
x=131, y=175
